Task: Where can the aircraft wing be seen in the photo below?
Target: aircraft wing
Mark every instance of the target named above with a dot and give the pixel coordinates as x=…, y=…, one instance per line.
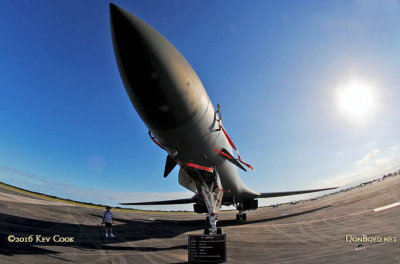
x=194, y=198
x=278, y=194
x=177, y=201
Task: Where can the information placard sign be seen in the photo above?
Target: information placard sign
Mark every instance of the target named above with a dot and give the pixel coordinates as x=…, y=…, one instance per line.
x=207, y=248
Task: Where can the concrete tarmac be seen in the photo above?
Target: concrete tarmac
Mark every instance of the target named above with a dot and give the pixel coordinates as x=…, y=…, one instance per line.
x=309, y=232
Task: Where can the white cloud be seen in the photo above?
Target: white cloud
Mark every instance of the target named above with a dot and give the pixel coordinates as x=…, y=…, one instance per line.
x=370, y=167
x=367, y=157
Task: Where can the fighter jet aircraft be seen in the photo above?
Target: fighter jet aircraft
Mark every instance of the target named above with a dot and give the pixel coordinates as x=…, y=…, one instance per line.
x=172, y=102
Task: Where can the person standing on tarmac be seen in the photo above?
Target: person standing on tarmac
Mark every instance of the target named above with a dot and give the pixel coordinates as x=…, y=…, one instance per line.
x=108, y=220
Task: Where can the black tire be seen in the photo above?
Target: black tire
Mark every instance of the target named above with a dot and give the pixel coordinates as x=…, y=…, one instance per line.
x=237, y=217
x=244, y=217
x=220, y=231
x=206, y=231
x=207, y=220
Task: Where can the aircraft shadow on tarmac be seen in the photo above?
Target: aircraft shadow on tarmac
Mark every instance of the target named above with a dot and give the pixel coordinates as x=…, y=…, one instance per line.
x=91, y=237
x=233, y=222
x=86, y=236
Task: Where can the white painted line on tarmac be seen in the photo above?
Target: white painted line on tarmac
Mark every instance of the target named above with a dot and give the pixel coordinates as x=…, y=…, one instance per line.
x=386, y=207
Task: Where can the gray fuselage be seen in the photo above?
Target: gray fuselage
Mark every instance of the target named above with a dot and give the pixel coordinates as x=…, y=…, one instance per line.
x=171, y=100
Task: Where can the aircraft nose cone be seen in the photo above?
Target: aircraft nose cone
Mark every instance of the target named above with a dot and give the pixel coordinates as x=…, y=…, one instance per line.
x=161, y=84
x=113, y=8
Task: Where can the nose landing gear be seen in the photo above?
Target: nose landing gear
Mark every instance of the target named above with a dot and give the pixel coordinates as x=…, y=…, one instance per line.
x=207, y=231
x=212, y=192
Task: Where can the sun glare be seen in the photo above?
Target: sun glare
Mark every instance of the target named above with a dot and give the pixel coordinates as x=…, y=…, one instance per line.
x=356, y=98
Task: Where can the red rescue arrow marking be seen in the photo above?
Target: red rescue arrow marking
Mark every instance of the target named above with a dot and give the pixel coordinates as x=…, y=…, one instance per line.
x=196, y=166
x=234, y=147
x=222, y=153
x=156, y=141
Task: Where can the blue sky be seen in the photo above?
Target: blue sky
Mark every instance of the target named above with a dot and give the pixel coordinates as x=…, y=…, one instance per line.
x=275, y=67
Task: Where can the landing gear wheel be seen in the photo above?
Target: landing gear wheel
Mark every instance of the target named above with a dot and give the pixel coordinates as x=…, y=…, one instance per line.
x=206, y=231
x=220, y=231
x=241, y=217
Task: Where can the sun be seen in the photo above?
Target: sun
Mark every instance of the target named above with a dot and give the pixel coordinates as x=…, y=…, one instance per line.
x=356, y=98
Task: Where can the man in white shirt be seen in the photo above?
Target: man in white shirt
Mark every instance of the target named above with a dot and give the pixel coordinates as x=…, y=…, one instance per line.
x=108, y=220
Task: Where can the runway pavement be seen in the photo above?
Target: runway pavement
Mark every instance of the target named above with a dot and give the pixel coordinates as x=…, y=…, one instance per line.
x=309, y=232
